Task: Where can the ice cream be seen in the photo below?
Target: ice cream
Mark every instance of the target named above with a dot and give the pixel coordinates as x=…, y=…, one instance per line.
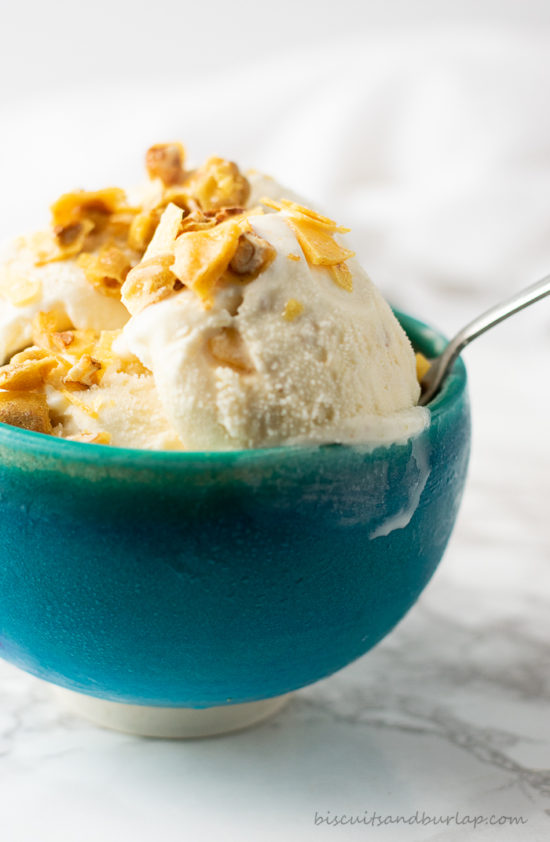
x=27, y=288
x=246, y=322
x=290, y=357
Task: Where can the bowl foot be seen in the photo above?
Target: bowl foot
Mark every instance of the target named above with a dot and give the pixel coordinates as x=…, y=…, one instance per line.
x=177, y=722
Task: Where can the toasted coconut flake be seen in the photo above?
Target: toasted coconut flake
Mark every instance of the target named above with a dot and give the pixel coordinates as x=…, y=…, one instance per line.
x=92, y=438
x=28, y=410
x=94, y=205
x=253, y=255
x=84, y=373
x=149, y=282
x=227, y=347
x=166, y=232
x=18, y=289
x=423, y=365
x=165, y=161
x=317, y=243
x=217, y=184
x=106, y=270
x=202, y=257
x=293, y=309
x=27, y=370
x=342, y=277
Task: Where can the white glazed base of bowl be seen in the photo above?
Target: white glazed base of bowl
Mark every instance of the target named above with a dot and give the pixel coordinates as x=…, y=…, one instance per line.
x=175, y=723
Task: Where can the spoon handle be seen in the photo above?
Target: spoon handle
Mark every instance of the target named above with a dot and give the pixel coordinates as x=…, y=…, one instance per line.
x=441, y=365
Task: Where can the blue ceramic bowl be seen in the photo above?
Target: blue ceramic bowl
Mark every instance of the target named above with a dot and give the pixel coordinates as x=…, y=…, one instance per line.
x=198, y=579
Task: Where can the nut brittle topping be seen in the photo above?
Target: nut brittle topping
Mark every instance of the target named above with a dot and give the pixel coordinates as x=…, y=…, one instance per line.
x=315, y=233
x=165, y=161
x=149, y=282
x=95, y=205
x=202, y=257
x=28, y=410
x=79, y=220
x=293, y=309
x=142, y=228
x=217, y=184
x=253, y=255
x=83, y=373
x=27, y=370
x=342, y=276
x=106, y=270
x=423, y=365
x=166, y=232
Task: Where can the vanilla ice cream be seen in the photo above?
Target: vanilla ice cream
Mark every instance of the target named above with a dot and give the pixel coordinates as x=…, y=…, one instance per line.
x=27, y=289
x=324, y=364
x=214, y=312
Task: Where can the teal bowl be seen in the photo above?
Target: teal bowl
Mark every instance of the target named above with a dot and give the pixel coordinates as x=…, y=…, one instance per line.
x=195, y=580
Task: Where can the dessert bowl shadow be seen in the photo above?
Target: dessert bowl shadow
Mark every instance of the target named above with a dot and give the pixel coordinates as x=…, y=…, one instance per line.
x=201, y=579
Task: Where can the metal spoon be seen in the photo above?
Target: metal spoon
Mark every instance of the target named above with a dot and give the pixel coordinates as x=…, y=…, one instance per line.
x=440, y=366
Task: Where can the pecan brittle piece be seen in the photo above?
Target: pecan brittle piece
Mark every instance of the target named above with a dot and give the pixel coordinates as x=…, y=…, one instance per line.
x=217, y=184
x=83, y=373
x=28, y=410
x=93, y=205
x=106, y=270
x=202, y=257
x=27, y=370
x=148, y=282
x=253, y=255
x=165, y=161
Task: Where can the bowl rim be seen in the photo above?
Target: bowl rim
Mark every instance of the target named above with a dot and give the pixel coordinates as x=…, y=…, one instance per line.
x=424, y=338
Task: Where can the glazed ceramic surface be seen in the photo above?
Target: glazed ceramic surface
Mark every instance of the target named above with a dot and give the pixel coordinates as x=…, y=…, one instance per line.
x=199, y=579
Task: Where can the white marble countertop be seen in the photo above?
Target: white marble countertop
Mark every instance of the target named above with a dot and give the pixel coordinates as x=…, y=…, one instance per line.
x=449, y=716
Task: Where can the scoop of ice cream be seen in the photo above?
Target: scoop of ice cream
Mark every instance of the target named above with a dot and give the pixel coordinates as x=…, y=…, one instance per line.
x=125, y=407
x=251, y=324
x=289, y=357
x=59, y=287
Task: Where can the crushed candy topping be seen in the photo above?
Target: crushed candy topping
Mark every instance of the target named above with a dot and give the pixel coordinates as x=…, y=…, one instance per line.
x=96, y=205
x=106, y=270
x=423, y=365
x=253, y=255
x=315, y=233
x=342, y=276
x=28, y=410
x=84, y=373
x=27, y=370
x=293, y=309
x=202, y=257
x=166, y=232
x=189, y=233
x=218, y=184
x=149, y=282
x=165, y=161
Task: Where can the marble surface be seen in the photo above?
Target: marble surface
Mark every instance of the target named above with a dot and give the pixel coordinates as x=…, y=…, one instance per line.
x=448, y=717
